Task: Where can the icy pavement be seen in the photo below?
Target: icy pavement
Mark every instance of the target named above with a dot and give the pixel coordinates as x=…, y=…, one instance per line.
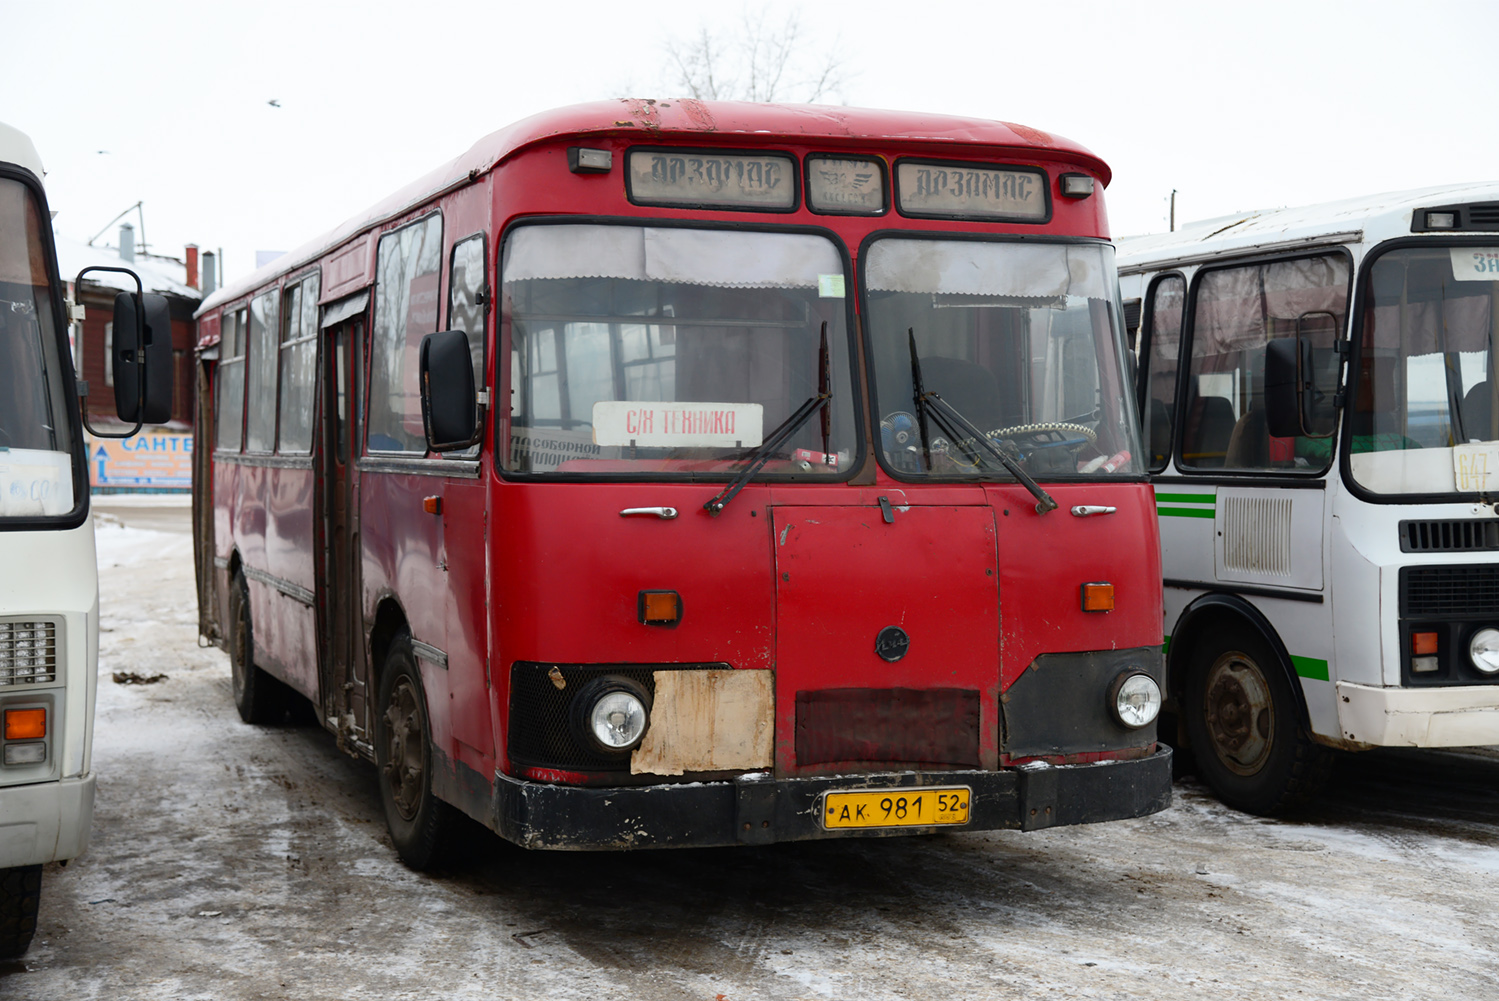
x=231, y=861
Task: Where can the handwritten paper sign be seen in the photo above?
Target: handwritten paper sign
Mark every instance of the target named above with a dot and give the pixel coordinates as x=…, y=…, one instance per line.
x=677, y=425
x=1476, y=467
x=35, y=483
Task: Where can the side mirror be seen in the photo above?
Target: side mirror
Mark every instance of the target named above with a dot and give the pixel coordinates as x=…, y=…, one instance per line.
x=450, y=405
x=149, y=399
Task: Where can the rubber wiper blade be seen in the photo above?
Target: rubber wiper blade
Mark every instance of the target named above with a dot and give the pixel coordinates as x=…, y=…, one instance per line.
x=770, y=446
x=919, y=395
x=956, y=426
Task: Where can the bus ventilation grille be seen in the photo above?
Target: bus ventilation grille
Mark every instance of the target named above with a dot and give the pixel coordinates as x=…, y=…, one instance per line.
x=1449, y=592
x=1484, y=216
x=1257, y=535
x=28, y=653
x=1455, y=536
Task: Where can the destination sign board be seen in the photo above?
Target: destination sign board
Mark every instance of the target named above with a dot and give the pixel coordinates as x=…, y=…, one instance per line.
x=963, y=191
x=726, y=180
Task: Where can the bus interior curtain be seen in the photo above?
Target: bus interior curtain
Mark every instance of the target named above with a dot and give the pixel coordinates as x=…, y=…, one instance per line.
x=726, y=259
x=964, y=267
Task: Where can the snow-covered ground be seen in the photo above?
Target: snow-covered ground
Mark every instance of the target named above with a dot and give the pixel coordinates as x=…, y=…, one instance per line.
x=231, y=861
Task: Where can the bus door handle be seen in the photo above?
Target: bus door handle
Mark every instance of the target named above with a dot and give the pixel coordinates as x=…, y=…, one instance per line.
x=664, y=513
x=1084, y=510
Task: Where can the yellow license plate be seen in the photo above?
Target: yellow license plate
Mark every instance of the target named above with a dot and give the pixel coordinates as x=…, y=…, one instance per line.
x=896, y=807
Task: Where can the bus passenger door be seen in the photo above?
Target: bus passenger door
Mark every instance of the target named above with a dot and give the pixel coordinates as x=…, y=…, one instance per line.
x=342, y=666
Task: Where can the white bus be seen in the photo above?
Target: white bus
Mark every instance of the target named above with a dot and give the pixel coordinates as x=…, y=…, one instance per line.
x=1318, y=388
x=49, y=584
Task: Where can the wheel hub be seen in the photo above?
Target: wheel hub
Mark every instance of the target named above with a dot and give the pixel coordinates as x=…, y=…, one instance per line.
x=1239, y=713
x=403, y=750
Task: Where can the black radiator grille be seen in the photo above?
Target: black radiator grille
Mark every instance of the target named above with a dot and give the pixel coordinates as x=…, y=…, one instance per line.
x=1449, y=592
x=1450, y=536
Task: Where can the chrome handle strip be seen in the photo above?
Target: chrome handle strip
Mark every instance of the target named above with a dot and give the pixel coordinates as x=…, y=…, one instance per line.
x=1084, y=510
x=664, y=513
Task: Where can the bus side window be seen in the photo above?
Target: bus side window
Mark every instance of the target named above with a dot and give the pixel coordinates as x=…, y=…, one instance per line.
x=299, y=329
x=260, y=392
x=230, y=410
x=1236, y=313
x=466, y=292
x=408, y=267
x=1167, y=299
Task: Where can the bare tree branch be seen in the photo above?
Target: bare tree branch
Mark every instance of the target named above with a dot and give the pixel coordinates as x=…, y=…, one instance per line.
x=764, y=63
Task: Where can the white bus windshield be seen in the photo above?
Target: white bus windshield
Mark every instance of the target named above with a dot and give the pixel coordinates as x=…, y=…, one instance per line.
x=666, y=352
x=36, y=464
x=1021, y=339
x=1425, y=392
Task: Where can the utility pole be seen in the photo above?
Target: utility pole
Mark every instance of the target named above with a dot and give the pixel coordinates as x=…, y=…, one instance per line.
x=1173, y=210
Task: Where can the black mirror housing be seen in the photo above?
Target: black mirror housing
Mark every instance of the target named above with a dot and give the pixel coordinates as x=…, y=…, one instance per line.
x=148, y=400
x=1282, y=402
x=450, y=405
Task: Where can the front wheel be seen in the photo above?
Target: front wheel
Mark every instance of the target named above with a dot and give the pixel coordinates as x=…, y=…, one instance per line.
x=420, y=824
x=1252, y=746
x=20, y=894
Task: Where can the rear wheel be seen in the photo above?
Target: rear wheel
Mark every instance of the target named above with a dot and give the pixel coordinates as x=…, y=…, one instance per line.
x=259, y=697
x=20, y=894
x=421, y=825
x=1252, y=746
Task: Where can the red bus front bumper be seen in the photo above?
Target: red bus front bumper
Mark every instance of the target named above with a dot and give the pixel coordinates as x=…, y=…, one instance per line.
x=760, y=809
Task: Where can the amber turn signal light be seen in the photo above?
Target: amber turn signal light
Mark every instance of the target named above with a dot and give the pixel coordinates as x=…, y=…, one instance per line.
x=25, y=724
x=660, y=608
x=432, y=505
x=1423, y=644
x=1098, y=597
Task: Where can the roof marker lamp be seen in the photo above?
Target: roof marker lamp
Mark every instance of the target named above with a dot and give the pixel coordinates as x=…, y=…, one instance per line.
x=1483, y=650
x=1135, y=699
x=1441, y=220
x=1424, y=652
x=589, y=161
x=1076, y=185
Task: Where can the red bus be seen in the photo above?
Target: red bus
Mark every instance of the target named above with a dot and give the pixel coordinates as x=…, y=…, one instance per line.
x=680, y=473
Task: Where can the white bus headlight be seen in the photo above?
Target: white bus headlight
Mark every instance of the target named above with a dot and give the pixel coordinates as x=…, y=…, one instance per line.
x=1136, y=700
x=1483, y=650
x=612, y=713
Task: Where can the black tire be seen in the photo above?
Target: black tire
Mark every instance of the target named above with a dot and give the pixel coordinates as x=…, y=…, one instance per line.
x=421, y=826
x=259, y=697
x=20, y=894
x=1252, y=746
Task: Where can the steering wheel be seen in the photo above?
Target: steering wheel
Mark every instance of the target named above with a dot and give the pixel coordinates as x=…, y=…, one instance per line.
x=1040, y=433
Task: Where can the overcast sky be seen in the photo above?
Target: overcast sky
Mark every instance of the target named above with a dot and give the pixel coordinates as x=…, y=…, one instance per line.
x=1237, y=107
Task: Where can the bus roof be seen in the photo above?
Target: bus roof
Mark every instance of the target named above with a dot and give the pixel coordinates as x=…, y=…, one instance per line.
x=1366, y=219
x=16, y=147
x=678, y=120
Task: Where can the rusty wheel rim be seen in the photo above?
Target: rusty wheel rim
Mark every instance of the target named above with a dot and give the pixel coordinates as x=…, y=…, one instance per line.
x=239, y=652
x=404, y=764
x=1239, y=713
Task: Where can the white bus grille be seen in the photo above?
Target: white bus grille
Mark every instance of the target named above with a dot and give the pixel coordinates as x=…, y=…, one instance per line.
x=1257, y=535
x=28, y=652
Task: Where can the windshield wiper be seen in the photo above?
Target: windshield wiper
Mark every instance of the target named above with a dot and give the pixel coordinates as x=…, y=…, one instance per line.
x=956, y=425
x=770, y=446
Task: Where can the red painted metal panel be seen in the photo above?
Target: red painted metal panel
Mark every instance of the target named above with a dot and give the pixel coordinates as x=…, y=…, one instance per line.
x=843, y=574
x=1045, y=559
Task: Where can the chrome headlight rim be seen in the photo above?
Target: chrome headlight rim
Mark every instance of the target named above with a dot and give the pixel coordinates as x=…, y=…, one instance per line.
x=1136, y=679
x=589, y=699
x=1483, y=651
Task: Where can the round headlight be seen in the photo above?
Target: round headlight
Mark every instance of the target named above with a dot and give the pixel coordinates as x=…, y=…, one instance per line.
x=611, y=713
x=1137, y=700
x=1483, y=650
